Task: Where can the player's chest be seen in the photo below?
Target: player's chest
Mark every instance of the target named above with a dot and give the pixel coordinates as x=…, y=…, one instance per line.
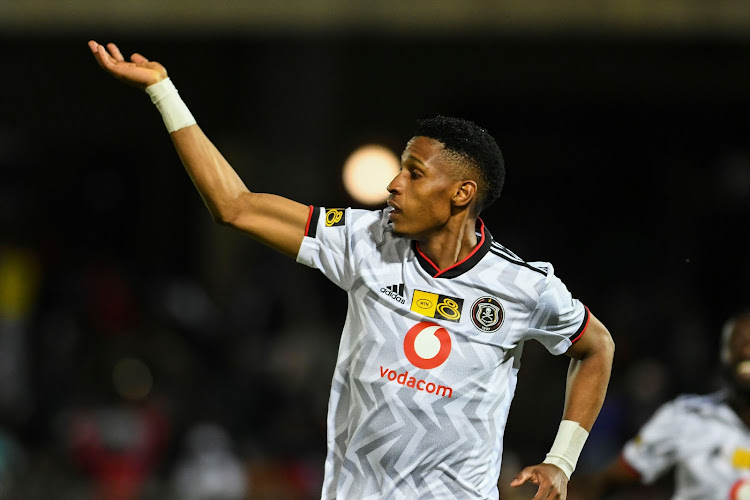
x=466, y=310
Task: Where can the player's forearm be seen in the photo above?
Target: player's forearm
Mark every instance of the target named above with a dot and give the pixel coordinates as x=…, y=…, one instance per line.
x=587, y=383
x=588, y=377
x=217, y=182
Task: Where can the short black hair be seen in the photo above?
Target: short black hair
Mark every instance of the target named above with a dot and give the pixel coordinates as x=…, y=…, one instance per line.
x=474, y=144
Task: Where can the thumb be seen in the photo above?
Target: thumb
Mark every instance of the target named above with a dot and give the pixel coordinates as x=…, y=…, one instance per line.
x=138, y=59
x=522, y=477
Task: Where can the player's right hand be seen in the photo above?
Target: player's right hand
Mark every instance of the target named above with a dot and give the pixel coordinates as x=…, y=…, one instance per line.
x=139, y=71
x=552, y=482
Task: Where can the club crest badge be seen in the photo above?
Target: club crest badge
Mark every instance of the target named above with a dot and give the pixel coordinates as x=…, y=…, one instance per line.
x=487, y=314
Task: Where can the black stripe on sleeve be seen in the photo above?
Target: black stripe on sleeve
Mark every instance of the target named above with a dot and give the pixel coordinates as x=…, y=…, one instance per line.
x=313, y=228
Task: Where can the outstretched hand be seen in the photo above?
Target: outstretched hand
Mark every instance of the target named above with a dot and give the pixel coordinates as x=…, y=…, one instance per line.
x=552, y=482
x=139, y=71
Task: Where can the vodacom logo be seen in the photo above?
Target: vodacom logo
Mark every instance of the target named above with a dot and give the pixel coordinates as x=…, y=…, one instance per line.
x=740, y=490
x=427, y=345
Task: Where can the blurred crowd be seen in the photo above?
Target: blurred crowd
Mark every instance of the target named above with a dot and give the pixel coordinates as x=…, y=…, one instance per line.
x=121, y=386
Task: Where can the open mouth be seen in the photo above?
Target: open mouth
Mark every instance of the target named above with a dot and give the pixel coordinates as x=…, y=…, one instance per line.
x=396, y=210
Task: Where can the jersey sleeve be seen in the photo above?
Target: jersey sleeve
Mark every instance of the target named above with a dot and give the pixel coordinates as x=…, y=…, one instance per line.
x=655, y=449
x=559, y=319
x=336, y=239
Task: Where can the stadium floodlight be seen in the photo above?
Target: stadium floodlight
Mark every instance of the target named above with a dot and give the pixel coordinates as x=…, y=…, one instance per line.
x=367, y=172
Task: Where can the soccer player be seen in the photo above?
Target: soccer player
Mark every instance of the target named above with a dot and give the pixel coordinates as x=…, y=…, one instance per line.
x=704, y=439
x=438, y=311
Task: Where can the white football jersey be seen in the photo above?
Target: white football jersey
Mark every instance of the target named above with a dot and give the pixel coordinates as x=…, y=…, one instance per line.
x=706, y=443
x=428, y=358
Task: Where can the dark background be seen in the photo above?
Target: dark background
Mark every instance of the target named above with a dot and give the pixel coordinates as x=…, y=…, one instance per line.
x=628, y=169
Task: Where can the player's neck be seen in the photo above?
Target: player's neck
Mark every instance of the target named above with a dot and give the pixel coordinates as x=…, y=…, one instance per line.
x=452, y=244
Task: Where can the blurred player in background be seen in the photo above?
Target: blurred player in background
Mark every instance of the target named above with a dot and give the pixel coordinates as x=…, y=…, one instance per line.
x=438, y=311
x=705, y=439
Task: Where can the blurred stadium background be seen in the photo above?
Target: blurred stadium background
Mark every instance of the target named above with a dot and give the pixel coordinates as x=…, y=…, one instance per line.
x=147, y=353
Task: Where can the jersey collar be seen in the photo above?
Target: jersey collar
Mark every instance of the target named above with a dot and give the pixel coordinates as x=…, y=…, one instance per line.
x=457, y=269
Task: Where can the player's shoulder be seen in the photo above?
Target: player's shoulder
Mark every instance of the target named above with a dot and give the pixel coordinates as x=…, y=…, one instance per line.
x=536, y=271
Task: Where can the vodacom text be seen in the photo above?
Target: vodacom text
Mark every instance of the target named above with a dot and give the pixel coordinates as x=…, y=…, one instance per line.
x=416, y=384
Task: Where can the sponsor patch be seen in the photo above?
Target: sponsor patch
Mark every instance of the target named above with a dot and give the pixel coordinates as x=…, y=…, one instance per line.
x=335, y=217
x=437, y=306
x=427, y=345
x=740, y=490
x=487, y=314
x=741, y=458
x=415, y=383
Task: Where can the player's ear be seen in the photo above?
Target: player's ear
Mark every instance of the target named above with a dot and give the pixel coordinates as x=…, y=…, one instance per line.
x=465, y=192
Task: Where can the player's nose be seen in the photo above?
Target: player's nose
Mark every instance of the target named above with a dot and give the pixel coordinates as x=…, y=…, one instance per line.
x=394, y=186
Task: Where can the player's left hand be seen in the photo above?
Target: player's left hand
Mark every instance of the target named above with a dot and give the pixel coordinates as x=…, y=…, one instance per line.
x=552, y=482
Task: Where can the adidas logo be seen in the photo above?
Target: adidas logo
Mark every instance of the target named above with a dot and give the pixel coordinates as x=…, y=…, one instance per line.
x=396, y=292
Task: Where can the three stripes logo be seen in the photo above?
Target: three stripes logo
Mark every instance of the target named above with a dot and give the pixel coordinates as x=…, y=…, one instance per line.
x=396, y=292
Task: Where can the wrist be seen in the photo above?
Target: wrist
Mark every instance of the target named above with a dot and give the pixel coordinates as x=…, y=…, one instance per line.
x=567, y=446
x=173, y=109
x=154, y=82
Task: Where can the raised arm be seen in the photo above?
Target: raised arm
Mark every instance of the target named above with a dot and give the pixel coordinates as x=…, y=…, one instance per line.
x=273, y=220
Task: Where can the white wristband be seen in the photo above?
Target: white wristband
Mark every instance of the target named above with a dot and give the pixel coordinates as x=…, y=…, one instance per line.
x=173, y=110
x=567, y=446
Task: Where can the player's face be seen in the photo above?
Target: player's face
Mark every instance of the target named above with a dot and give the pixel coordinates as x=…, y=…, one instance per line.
x=421, y=193
x=738, y=363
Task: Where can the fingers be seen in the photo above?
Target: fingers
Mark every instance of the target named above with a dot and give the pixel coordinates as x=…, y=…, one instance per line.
x=140, y=72
x=522, y=477
x=545, y=493
x=116, y=54
x=105, y=60
x=100, y=59
x=138, y=59
x=112, y=54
